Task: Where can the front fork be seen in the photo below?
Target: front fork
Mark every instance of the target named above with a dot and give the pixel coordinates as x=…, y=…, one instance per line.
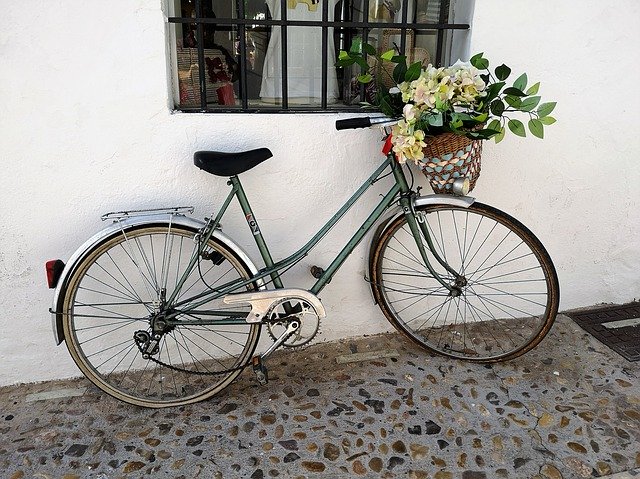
x=419, y=230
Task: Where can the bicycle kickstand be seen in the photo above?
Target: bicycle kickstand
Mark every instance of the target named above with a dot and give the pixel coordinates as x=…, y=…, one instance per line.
x=259, y=368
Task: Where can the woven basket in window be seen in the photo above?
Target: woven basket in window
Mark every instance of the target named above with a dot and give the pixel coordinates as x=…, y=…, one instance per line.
x=219, y=74
x=390, y=41
x=449, y=156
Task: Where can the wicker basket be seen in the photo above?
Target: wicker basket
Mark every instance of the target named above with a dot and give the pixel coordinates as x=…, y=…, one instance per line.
x=449, y=156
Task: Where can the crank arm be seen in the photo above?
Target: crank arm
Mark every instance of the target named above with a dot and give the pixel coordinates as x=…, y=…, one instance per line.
x=291, y=328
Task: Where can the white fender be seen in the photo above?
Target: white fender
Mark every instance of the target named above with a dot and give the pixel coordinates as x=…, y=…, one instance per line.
x=115, y=229
x=462, y=201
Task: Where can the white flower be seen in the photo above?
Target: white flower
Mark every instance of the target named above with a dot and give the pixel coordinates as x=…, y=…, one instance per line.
x=460, y=65
x=407, y=142
x=409, y=112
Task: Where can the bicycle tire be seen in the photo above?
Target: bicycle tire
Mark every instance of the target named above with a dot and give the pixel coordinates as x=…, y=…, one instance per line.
x=110, y=296
x=511, y=297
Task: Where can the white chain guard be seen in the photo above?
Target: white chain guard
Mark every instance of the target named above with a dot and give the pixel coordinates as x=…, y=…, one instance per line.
x=262, y=301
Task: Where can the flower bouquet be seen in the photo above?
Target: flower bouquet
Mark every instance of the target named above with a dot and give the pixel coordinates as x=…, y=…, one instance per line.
x=446, y=112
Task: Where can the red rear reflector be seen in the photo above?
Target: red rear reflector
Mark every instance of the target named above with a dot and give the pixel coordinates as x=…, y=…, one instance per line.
x=54, y=270
x=388, y=145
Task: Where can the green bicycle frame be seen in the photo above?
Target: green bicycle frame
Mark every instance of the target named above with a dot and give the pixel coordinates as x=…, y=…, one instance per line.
x=399, y=192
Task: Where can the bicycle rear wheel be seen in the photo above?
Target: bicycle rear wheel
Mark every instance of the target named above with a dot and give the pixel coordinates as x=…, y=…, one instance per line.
x=508, y=287
x=117, y=291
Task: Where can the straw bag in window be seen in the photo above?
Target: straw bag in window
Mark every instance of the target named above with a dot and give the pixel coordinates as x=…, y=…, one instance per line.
x=390, y=40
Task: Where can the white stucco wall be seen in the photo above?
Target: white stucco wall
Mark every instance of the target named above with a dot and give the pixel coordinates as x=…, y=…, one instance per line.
x=85, y=128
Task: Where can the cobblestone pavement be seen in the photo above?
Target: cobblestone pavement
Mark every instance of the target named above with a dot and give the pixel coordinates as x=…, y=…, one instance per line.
x=568, y=409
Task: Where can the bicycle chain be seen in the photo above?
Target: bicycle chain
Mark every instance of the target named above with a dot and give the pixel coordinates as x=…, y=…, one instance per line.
x=140, y=345
x=181, y=370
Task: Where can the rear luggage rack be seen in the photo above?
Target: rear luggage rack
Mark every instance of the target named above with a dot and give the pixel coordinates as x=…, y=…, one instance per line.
x=120, y=215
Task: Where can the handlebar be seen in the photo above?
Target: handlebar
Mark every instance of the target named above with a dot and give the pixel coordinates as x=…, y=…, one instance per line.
x=363, y=122
x=350, y=123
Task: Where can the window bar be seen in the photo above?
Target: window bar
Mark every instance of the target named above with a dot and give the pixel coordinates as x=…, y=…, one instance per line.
x=283, y=52
x=403, y=31
x=325, y=54
x=345, y=16
x=330, y=24
x=344, y=37
x=319, y=23
x=444, y=18
x=365, y=39
x=243, y=56
x=201, y=64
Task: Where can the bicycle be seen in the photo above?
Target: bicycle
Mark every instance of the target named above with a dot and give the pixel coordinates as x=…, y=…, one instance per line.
x=160, y=309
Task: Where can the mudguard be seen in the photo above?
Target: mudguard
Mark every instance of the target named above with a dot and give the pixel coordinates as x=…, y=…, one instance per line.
x=115, y=229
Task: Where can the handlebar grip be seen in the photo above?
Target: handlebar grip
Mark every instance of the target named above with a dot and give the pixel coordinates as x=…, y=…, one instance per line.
x=350, y=123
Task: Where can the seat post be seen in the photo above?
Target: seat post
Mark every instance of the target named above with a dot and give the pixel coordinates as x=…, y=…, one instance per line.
x=255, y=229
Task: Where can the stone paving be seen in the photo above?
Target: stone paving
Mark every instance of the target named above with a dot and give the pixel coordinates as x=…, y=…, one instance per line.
x=568, y=409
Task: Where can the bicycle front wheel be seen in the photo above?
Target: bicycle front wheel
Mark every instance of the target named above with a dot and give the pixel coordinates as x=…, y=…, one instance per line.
x=507, y=288
x=115, y=298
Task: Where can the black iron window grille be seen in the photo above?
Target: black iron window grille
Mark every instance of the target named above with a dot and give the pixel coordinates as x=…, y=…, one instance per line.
x=279, y=55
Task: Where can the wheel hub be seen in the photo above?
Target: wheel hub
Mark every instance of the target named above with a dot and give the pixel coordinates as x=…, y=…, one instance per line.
x=458, y=286
x=149, y=341
x=159, y=323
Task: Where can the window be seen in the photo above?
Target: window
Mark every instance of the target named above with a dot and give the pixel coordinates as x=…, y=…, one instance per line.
x=279, y=55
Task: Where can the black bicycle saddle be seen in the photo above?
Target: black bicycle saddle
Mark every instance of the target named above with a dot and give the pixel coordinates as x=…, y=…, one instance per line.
x=230, y=164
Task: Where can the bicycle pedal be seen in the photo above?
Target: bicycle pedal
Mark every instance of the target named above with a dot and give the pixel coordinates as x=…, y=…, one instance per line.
x=260, y=370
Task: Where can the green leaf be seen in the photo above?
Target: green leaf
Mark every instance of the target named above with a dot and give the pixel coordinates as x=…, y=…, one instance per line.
x=494, y=90
x=513, y=101
x=399, y=72
x=356, y=45
x=483, y=134
x=413, y=72
x=343, y=55
x=528, y=104
x=366, y=78
x=514, y=91
x=546, y=108
x=536, y=128
x=498, y=138
x=494, y=125
x=465, y=117
x=388, y=55
x=517, y=127
x=521, y=82
x=481, y=118
x=345, y=62
x=456, y=123
x=479, y=62
x=362, y=62
x=497, y=107
x=548, y=120
x=533, y=89
x=369, y=49
x=435, y=119
x=386, y=107
x=503, y=72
